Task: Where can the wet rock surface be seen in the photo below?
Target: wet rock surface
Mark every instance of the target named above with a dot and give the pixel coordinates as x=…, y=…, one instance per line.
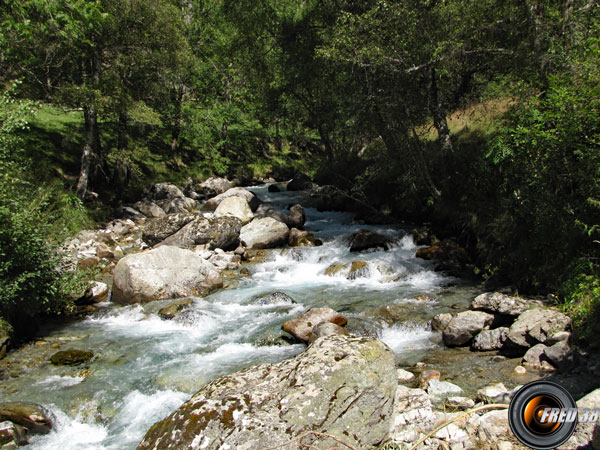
x=31, y=416
x=301, y=327
x=344, y=386
x=71, y=357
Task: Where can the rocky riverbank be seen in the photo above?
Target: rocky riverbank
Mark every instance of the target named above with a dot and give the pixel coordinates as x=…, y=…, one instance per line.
x=168, y=256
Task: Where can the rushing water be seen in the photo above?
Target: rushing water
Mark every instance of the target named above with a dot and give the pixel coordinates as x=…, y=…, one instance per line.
x=145, y=367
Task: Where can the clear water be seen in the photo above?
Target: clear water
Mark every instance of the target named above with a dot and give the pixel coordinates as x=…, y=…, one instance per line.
x=145, y=367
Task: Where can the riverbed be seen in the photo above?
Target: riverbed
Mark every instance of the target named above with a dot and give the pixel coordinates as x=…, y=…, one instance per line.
x=145, y=367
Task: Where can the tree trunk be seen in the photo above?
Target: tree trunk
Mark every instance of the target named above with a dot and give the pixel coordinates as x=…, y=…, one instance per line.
x=176, y=126
x=122, y=132
x=438, y=112
x=88, y=150
x=91, y=147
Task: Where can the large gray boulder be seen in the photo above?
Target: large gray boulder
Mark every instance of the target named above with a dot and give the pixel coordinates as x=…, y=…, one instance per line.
x=157, y=230
x=165, y=272
x=464, y=326
x=264, y=233
x=250, y=197
x=535, y=326
x=218, y=232
x=497, y=303
x=343, y=386
x=213, y=186
x=235, y=207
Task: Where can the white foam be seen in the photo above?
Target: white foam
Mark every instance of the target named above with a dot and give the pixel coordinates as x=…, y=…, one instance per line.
x=69, y=434
x=61, y=381
x=407, y=336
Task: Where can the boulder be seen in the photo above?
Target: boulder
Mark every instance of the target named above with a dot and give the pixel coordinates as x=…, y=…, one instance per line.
x=493, y=425
x=12, y=435
x=71, y=357
x=250, y=197
x=298, y=238
x=172, y=309
x=31, y=416
x=273, y=298
x=535, y=326
x=413, y=416
x=98, y=292
x=462, y=403
x=164, y=191
x=490, y=339
x=496, y=393
x=464, y=326
x=366, y=240
x=341, y=385
x=587, y=434
x=441, y=321
x=235, y=207
x=498, y=303
x=264, y=233
x=428, y=375
x=165, y=272
x=157, y=230
x=560, y=355
x=274, y=188
x=405, y=377
x=447, y=250
x=326, y=329
x=128, y=213
x=219, y=232
x=149, y=209
x=440, y=390
x=536, y=358
x=213, y=186
x=334, y=269
x=358, y=269
x=183, y=205
x=295, y=219
x=300, y=182
x=301, y=327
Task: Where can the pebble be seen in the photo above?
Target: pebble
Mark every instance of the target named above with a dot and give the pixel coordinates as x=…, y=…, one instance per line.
x=404, y=376
x=520, y=370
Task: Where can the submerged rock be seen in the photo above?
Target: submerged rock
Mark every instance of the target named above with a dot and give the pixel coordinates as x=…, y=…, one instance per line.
x=274, y=188
x=335, y=268
x=165, y=272
x=298, y=238
x=31, y=416
x=172, y=309
x=274, y=298
x=340, y=385
x=264, y=233
x=71, y=357
x=301, y=327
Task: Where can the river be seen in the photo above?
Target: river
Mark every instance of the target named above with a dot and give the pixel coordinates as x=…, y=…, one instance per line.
x=145, y=367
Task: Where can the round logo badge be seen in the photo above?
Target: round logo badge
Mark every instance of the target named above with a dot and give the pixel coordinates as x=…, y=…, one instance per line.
x=542, y=415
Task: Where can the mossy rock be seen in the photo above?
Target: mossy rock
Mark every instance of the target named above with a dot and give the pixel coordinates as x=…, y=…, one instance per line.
x=334, y=269
x=71, y=357
x=358, y=269
x=172, y=309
